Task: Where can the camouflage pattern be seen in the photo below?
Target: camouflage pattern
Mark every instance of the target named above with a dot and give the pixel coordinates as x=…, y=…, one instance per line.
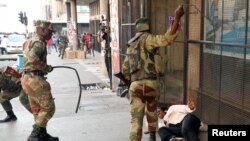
x=139, y=62
x=139, y=67
x=43, y=24
x=62, y=43
x=144, y=96
x=35, y=55
x=24, y=100
x=9, y=89
x=37, y=88
x=6, y=96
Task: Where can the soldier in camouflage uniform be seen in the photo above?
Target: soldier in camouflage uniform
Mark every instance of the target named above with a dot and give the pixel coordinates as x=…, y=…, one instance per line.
x=34, y=83
x=10, y=88
x=63, y=40
x=139, y=67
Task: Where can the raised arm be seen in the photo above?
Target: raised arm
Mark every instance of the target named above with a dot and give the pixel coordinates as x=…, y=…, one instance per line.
x=179, y=12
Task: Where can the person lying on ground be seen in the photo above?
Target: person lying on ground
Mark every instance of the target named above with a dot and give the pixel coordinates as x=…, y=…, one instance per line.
x=180, y=123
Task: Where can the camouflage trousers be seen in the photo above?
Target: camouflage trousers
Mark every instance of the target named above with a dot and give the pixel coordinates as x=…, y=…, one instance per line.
x=144, y=97
x=40, y=98
x=6, y=96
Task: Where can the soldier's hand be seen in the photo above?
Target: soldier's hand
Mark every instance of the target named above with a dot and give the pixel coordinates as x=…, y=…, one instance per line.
x=50, y=68
x=179, y=12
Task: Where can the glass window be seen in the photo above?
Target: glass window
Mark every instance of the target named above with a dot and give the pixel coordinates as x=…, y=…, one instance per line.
x=83, y=9
x=225, y=21
x=16, y=38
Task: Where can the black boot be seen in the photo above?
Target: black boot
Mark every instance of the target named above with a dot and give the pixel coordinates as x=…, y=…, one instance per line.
x=152, y=136
x=35, y=134
x=49, y=137
x=40, y=134
x=10, y=117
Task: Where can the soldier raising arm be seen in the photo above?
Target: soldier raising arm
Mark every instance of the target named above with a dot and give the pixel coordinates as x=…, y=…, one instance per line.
x=139, y=67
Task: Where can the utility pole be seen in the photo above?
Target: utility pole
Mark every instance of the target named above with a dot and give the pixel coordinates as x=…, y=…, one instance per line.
x=24, y=20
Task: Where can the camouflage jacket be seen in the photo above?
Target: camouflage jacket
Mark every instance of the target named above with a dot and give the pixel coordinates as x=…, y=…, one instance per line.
x=35, y=55
x=8, y=83
x=139, y=61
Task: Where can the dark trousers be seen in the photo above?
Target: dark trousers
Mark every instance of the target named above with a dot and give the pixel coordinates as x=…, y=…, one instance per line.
x=107, y=59
x=188, y=128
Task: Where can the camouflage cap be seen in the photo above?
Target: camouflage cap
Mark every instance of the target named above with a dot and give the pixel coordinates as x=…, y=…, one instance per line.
x=43, y=24
x=142, y=24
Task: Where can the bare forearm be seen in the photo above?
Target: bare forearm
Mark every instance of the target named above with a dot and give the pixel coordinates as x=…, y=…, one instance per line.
x=179, y=12
x=175, y=26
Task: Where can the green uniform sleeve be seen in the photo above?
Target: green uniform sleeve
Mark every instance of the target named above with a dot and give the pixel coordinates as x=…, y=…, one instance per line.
x=154, y=41
x=126, y=69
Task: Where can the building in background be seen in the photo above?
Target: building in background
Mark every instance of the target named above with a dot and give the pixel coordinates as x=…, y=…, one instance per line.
x=56, y=11
x=209, y=62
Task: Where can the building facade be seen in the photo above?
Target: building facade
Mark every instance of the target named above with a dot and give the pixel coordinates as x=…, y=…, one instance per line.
x=209, y=61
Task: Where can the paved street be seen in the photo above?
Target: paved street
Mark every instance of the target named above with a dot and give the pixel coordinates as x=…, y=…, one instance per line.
x=102, y=115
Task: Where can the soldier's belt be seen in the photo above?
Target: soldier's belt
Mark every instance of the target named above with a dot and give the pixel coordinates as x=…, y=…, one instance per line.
x=34, y=72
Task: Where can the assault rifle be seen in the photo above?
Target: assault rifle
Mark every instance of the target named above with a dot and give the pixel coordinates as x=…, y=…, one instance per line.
x=123, y=88
x=122, y=77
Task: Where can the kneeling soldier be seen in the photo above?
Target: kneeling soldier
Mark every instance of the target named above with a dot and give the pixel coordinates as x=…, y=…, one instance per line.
x=10, y=87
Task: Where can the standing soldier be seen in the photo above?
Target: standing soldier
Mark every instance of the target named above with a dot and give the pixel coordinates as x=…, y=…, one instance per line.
x=140, y=68
x=10, y=88
x=34, y=83
x=63, y=41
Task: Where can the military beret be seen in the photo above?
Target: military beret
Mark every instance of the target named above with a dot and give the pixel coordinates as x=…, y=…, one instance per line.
x=142, y=24
x=43, y=24
x=142, y=21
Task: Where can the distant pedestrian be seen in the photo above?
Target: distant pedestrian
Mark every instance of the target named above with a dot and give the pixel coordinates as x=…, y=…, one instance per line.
x=55, y=41
x=83, y=44
x=49, y=45
x=88, y=43
x=34, y=82
x=63, y=42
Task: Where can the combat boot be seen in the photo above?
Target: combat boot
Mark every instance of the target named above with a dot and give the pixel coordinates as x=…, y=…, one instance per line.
x=10, y=117
x=40, y=134
x=48, y=137
x=152, y=136
x=35, y=134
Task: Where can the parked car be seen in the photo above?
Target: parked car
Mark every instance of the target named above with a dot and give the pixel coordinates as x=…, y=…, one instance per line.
x=14, y=43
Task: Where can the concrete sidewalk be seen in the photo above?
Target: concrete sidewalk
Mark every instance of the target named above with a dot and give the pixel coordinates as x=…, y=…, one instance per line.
x=102, y=115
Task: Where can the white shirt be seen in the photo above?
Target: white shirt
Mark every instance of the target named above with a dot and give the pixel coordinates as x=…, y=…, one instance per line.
x=176, y=113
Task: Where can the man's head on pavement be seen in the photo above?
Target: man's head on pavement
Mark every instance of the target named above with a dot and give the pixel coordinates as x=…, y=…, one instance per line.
x=142, y=24
x=162, y=110
x=44, y=28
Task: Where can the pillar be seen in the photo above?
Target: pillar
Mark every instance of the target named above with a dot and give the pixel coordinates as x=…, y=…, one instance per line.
x=104, y=11
x=74, y=23
x=68, y=11
x=104, y=7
